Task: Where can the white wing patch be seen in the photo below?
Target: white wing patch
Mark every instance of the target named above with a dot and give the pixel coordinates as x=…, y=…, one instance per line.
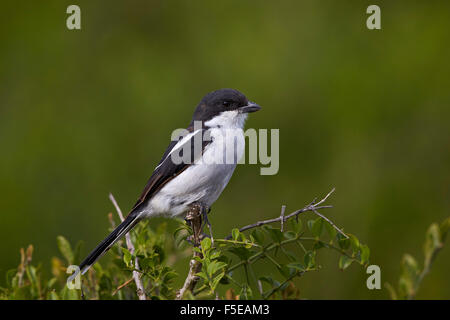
x=179, y=145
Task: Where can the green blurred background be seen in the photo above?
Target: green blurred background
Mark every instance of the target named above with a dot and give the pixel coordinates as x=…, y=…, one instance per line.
x=84, y=113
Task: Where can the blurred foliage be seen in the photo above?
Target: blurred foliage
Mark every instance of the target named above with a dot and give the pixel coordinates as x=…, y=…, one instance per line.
x=221, y=262
x=228, y=264
x=84, y=113
x=411, y=274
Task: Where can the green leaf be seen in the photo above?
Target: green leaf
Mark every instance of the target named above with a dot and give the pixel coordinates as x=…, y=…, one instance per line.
x=297, y=266
x=249, y=245
x=196, y=249
x=180, y=234
x=410, y=268
x=69, y=294
x=206, y=244
x=296, y=226
x=146, y=263
x=65, y=249
x=159, y=253
x=289, y=254
x=214, y=254
x=235, y=234
x=216, y=281
x=365, y=254
x=269, y=281
x=202, y=275
x=318, y=245
x=32, y=277
x=354, y=242
x=330, y=229
x=178, y=230
x=317, y=226
x=310, y=259
x=126, y=256
x=274, y=233
x=241, y=252
x=310, y=224
x=258, y=235
x=432, y=241
x=215, y=266
x=285, y=271
x=345, y=262
x=404, y=287
x=408, y=277
x=290, y=234
x=51, y=282
x=344, y=243
x=224, y=258
x=170, y=276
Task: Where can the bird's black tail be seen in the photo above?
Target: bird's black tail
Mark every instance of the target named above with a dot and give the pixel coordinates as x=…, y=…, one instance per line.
x=130, y=221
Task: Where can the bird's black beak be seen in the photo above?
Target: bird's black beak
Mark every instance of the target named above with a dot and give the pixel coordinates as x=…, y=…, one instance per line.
x=250, y=107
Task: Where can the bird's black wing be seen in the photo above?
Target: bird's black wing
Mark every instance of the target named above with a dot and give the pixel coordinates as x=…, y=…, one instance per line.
x=167, y=169
x=164, y=172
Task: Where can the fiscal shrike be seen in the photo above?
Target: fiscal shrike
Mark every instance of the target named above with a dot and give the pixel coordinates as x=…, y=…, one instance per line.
x=195, y=168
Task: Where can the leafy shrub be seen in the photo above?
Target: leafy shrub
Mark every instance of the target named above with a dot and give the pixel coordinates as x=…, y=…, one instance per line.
x=220, y=268
x=227, y=264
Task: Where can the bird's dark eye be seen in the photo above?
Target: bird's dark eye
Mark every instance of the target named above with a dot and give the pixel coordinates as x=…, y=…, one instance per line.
x=226, y=103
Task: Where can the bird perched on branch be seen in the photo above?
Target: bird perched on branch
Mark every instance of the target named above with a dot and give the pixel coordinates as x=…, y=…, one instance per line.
x=195, y=168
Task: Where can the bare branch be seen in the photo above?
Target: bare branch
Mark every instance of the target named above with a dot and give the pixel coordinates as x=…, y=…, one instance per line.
x=122, y=285
x=283, y=209
x=326, y=197
x=136, y=276
x=260, y=288
x=313, y=206
x=194, y=218
x=330, y=222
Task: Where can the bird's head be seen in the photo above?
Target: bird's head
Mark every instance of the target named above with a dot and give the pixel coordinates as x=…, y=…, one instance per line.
x=224, y=108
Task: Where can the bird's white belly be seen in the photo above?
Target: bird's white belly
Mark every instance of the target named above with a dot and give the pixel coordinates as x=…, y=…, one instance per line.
x=204, y=180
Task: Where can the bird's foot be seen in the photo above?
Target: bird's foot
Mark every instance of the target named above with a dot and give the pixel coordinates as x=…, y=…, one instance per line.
x=205, y=211
x=198, y=210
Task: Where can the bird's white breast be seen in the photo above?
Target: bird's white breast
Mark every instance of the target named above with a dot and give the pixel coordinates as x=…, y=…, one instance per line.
x=204, y=180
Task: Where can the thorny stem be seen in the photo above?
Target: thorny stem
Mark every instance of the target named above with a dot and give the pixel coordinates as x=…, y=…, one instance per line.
x=194, y=218
x=262, y=254
x=191, y=279
x=313, y=207
x=136, y=276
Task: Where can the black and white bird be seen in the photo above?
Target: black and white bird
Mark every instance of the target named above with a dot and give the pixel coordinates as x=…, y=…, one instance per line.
x=175, y=185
